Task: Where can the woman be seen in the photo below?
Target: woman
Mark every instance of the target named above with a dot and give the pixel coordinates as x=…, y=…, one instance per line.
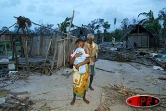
x=80, y=81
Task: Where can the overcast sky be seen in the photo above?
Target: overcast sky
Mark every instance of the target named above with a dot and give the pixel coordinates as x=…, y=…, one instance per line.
x=55, y=11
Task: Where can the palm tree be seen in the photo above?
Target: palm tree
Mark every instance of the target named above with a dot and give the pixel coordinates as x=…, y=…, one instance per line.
x=149, y=17
x=63, y=26
x=99, y=35
x=125, y=23
x=106, y=26
x=23, y=23
x=151, y=24
x=162, y=16
x=94, y=25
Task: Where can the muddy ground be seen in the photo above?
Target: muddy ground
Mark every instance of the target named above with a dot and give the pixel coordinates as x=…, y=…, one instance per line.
x=56, y=90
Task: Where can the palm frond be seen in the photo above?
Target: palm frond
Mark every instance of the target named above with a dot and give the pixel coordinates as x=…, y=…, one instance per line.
x=143, y=21
x=23, y=22
x=144, y=13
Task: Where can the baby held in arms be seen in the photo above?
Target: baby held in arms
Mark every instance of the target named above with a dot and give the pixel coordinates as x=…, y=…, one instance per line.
x=79, y=49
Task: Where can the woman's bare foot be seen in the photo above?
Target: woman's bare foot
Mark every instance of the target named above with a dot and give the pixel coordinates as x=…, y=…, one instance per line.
x=72, y=102
x=86, y=101
x=91, y=88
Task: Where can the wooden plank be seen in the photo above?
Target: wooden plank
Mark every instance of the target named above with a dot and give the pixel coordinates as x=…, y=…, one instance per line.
x=105, y=70
x=162, y=78
x=134, y=66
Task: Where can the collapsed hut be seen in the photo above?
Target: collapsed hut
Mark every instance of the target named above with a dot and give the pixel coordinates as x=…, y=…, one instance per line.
x=42, y=53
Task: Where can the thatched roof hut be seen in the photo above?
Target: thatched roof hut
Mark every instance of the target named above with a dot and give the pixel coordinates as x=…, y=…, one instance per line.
x=138, y=37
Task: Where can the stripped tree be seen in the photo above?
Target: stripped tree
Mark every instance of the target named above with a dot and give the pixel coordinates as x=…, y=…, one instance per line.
x=23, y=24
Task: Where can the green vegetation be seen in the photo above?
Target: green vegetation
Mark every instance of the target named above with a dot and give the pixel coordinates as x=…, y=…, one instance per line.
x=101, y=28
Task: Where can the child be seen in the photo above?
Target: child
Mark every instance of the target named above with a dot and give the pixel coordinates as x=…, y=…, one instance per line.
x=80, y=45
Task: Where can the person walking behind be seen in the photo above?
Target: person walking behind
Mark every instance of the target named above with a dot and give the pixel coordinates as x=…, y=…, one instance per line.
x=92, y=50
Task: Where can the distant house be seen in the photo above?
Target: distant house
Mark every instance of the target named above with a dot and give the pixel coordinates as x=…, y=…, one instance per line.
x=139, y=37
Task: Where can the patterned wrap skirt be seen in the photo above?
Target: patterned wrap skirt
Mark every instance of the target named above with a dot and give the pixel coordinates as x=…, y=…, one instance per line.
x=80, y=82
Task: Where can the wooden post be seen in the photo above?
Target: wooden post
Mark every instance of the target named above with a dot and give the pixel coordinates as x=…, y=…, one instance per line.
x=68, y=39
x=6, y=50
x=55, y=52
x=25, y=53
x=31, y=43
x=64, y=52
x=12, y=42
x=148, y=39
x=15, y=51
x=47, y=55
x=41, y=45
x=21, y=45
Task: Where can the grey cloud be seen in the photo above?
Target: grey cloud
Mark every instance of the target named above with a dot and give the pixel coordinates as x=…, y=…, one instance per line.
x=65, y=13
x=31, y=8
x=47, y=10
x=55, y=11
x=9, y=3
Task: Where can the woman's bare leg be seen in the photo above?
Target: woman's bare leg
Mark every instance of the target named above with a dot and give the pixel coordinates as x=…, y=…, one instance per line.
x=85, y=100
x=74, y=98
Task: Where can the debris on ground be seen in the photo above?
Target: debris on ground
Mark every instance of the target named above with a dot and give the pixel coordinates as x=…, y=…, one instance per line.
x=145, y=56
x=11, y=77
x=9, y=101
x=157, y=68
x=118, y=95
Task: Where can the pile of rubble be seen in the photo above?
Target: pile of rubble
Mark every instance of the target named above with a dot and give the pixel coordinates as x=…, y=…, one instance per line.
x=121, y=56
x=146, y=56
x=114, y=95
x=9, y=101
x=10, y=77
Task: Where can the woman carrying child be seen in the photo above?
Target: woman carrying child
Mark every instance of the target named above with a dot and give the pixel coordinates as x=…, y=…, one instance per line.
x=79, y=60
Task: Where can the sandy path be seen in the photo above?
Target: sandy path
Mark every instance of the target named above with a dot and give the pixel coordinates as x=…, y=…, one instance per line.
x=56, y=90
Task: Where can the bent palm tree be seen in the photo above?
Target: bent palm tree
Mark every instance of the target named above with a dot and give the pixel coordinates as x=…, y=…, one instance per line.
x=63, y=26
x=162, y=16
x=149, y=17
x=23, y=23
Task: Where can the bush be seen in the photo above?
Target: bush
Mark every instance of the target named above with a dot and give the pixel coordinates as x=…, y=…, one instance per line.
x=3, y=44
